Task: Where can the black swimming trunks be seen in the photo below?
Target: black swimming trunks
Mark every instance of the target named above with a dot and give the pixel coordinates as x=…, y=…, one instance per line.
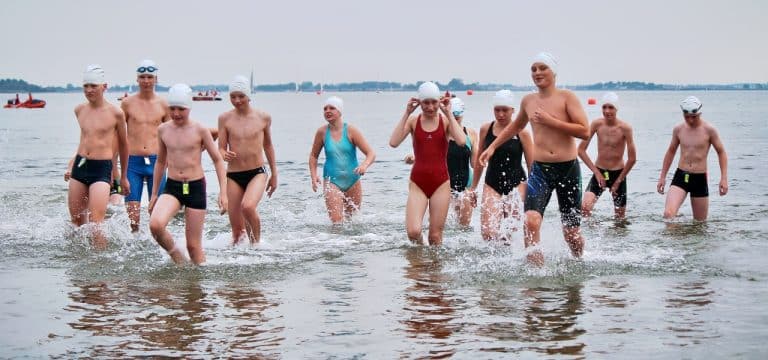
x=89, y=171
x=694, y=183
x=190, y=193
x=563, y=178
x=620, y=200
x=242, y=178
x=458, y=164
x=505, y=171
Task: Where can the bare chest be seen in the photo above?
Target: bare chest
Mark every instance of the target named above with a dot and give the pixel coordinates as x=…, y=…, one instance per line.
x=182, y=140
x=96, y=122
x=610, y=136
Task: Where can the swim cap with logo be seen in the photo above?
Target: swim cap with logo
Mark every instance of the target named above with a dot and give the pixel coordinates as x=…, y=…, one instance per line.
x=93, y=74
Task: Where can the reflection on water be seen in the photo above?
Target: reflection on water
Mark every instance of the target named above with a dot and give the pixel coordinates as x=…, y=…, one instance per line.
x=538, y=319
x=177, y=319
x=429, y=304
x=246, y=323
x=685, y=310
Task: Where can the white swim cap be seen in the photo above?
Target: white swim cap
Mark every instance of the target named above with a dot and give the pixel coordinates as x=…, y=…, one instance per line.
x=457, y=107
x=93, y=74
x=147, y=67
x=336, y=102
x=180, y=95
x=429, y=90
x=611, y=98
x=547, y=59
x=241, y=84
x=504, y=98
x=691, y=104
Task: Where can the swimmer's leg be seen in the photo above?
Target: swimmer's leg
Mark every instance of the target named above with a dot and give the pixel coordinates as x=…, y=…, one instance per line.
x=438, y=212
x=193, y=230
x=353, y=199
x=334, y=202
x=77, y=201
x=98, y=198
x=235, y=211
x=700, y=206
x=165, y=208
x=415, y=207
x=675, y=198
x=250, y=203
x=490, y=214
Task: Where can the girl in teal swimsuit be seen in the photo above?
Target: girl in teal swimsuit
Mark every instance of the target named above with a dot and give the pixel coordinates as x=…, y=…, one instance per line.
x=341, y=171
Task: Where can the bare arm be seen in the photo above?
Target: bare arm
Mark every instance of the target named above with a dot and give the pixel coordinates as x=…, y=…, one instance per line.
x=223, y=142
x=576, y=125
x=269, y=151
x=631, y=155
x=509, y=131
x=314, y=153
x=403, y=127
x=527, y=141
x=722, y=159
x=218, y=163
x=583, y=145
x=454, y=129
x=161, y=165
x=478, y=165
x=358, y=140
x=122, y=143
x=668, y=157
x=473, y=148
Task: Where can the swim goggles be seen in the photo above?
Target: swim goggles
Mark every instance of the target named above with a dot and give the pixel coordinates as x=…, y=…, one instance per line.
x=693, y=112
x=457, y=113
x=146, y=69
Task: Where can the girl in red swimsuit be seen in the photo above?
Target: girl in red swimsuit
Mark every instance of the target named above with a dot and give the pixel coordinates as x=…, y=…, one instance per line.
x=429, y=185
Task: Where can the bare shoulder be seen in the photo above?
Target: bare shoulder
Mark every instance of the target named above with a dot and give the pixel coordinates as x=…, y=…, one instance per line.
x=597, y=123
x=321, y=130
x=625, y=126
x=223, y=117
x=79, y=108
x=485, y=126
x=117, y=111
x=566, y=94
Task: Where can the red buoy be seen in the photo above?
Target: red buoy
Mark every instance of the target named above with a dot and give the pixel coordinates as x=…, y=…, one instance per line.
x=470, y=92
x=591, y=101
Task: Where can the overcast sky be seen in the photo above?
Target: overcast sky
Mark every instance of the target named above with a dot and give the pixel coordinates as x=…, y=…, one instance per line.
x=198, y=42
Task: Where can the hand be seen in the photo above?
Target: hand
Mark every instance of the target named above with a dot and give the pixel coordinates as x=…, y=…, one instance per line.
x=723, y=186
x=223, y=203
x=228, y=155
x=271, y=185
x=125, y=186
x=485, y=156
x=409, y=159
x=413, y=103
x=541, y=116
x=600, y=179
x=445, y=104
x=316, y=183
x=660, y=186
x=473, y=197
x=67, y=175
x=615, y=187
x=360, y=170
x=152, y=202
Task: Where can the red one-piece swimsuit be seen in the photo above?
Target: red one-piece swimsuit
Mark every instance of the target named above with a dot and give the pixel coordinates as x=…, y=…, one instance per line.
x=430, y=149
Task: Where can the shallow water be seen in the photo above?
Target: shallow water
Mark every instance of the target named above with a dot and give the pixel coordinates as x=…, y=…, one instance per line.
x=644, y=288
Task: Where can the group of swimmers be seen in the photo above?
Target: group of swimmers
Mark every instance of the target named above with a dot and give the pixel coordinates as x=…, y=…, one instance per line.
x=153, y=135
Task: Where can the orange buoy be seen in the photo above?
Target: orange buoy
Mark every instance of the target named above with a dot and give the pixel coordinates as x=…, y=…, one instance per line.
x=470, y=92
x=591, y=101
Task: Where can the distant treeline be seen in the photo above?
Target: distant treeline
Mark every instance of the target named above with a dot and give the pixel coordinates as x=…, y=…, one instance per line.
x=21, y=86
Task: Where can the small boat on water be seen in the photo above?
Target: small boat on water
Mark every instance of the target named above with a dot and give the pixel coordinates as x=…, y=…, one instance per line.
x=211, y=95
x=31, y=103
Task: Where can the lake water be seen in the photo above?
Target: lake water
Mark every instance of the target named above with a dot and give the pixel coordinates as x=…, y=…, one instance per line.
x=645, y=289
